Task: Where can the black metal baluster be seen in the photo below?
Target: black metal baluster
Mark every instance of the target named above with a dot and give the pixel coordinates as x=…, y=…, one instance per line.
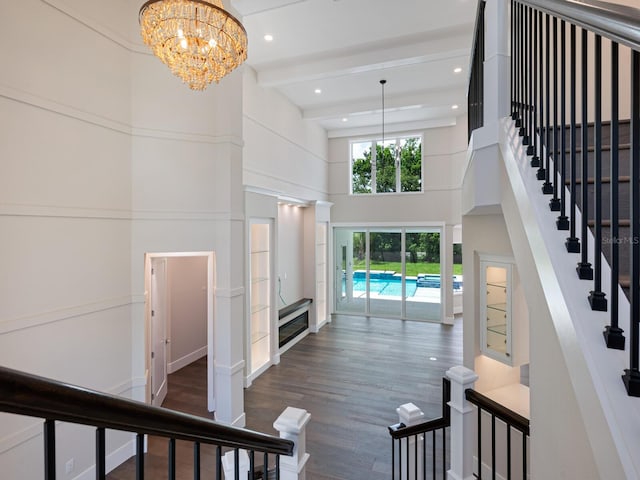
x=265, y=462
x=547, y=186
x=572, y=243
x=527, y=72
x=562, y=223
x=597, y=298
x=49, y=450
x=514, y=49
x=101, y=470
x=236, y=464
x=196, y=460
x=613, y=334
x=407, y=462
x=584, y=270
x=631, y=375
x=520, y=66
x=252, y=466
x=538, y=127
x=139, y=456
x=554, y=203
x=172, y=459
x=218, y=462
x=533, y=91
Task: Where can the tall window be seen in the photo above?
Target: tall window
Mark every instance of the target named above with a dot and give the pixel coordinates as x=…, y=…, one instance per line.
x=395, y=166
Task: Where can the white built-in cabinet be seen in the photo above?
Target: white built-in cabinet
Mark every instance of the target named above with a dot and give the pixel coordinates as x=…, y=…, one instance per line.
x=496, y=283
x=260, y=319
x=321, y=271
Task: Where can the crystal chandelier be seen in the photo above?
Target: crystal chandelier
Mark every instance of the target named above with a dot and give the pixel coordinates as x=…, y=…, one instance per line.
x=198, y=40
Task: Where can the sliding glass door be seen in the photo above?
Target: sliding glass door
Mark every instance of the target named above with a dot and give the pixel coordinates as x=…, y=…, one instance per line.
x=390, y=272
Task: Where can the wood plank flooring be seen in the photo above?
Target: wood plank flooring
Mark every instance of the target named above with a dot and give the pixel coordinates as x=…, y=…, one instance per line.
x=350, y=377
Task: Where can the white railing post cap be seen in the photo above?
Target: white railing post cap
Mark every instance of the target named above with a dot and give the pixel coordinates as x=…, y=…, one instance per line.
x=461, y=374
x=292, y=420
x=409, y=414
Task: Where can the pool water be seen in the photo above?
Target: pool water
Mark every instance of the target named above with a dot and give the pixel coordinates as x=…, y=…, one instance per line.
x=390, y=283
x=391, y=286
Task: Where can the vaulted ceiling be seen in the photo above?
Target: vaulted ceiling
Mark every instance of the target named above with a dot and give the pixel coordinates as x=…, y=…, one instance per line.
x=343, y=48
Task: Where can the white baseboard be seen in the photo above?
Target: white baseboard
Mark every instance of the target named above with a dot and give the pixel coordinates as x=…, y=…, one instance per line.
x=186, y=360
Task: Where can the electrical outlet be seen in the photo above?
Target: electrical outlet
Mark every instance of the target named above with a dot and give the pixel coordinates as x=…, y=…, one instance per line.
x=69, y=465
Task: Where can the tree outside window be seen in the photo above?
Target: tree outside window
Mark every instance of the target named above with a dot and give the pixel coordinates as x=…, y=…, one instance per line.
x=395, y=166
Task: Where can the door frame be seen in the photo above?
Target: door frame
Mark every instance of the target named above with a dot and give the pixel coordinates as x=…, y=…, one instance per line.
x=211, y=334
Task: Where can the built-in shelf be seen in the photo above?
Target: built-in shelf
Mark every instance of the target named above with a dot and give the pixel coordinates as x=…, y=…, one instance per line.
x=260, y=295
x=495, y=315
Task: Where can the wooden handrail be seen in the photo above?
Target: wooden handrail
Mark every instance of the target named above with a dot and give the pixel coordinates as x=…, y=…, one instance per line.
x=26, y=394
x=508, y=416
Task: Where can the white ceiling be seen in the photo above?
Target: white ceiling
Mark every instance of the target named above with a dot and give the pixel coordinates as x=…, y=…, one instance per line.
x=345, y=47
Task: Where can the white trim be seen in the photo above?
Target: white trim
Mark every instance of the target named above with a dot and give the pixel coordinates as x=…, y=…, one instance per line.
x=229, y=292
x=185, y=360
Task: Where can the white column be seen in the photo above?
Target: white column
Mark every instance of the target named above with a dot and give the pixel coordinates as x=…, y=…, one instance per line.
x=462, y=424
x=497, y=84
x=292, y=425
x=409, y=415
x=229, y=464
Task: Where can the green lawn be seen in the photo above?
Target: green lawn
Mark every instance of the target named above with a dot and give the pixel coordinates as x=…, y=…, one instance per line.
x=413, y=269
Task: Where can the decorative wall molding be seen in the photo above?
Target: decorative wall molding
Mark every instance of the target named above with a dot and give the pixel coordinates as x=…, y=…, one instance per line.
x=288, y=140
x=36, y=101
x=93, y=24
x=52, y=211
x=15, y=324
x=229, y=370
x=188, y=137
x=282, y=180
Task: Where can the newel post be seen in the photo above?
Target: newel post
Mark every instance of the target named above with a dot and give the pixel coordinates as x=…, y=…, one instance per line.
x=462, y=424
x=409, y=415
x=292, y=424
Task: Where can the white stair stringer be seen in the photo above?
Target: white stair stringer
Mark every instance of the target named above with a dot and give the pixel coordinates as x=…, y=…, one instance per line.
x=559, y=312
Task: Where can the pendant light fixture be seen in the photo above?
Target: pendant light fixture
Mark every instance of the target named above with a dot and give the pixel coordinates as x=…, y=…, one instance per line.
x=383, y=82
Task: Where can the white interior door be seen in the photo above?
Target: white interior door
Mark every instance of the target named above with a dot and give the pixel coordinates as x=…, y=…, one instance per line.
x=158, y=330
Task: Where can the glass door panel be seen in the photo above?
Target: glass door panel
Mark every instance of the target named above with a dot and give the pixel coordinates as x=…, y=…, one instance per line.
x=385, y=279
x=423, y=298
x=350, y=273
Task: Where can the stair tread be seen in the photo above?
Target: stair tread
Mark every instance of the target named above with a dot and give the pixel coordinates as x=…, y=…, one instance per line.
x=623, y=222
x=592, y=180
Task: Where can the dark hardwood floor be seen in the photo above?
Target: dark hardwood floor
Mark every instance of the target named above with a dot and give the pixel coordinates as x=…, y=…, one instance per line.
x=350, y=377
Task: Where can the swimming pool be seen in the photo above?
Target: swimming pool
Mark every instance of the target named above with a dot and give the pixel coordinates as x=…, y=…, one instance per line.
x=390, y=283
x=383, y=283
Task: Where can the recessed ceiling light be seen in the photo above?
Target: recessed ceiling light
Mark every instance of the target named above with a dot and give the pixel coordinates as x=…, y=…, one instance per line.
x=454, y=107
x=457, y=70
x=345, y=119
x=433, y=359
x=317, y=91
x=268, y=37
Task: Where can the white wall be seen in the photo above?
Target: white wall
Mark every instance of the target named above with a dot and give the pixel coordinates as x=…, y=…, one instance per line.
x=283, y=153
x=290, y=242
x=444, y=151
x=105, y=157
x=187, y=294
